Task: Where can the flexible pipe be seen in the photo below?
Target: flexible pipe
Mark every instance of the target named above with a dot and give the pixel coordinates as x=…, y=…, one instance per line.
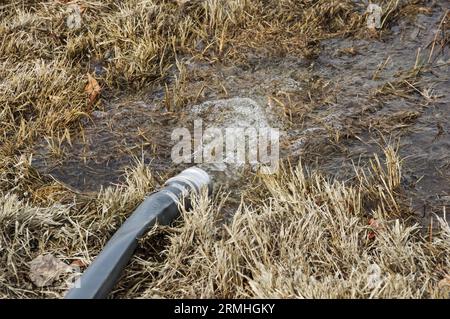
x=161, y=207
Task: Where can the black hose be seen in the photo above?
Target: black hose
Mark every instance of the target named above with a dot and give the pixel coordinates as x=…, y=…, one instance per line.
x=161, y=207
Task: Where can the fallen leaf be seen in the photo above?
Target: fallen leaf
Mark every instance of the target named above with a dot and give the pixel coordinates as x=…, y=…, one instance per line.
x=78, y=263
x=45, y=269
x=93, y=89
x=373, y=223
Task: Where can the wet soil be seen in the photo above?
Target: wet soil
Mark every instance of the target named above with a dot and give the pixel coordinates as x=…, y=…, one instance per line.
x=333, y=111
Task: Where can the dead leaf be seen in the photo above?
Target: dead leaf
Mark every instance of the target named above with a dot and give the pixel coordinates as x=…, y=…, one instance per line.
x=374, y=223
x=45, y=269
x=78, y=263
x=375, y=226
x=93, y=89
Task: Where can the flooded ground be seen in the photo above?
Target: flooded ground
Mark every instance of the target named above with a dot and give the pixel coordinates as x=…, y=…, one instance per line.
x=110, y=141
x=333, y=110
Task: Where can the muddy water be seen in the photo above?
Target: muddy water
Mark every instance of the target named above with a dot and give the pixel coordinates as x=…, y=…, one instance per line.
x=332, y=111
x=112, y=139
x=419, y=120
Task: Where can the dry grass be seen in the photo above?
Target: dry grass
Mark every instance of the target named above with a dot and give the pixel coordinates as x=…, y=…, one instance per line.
x=305, y=236
x=70, y=231
x=309, y=238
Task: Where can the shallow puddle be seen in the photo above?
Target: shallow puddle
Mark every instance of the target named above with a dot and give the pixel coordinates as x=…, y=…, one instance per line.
x=110, y=141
